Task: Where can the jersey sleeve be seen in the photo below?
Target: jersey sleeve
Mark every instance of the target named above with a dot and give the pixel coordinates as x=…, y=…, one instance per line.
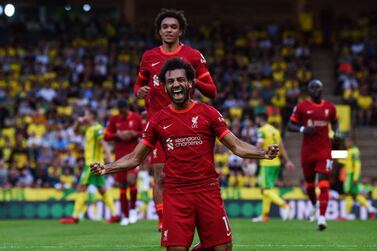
x=217, y=122
x=333, y=116
x=150, y=136
x=110, y=131
x=143, y=76
x=203, y=81
x=98, y=133
x=261, y=136
x=296, y=116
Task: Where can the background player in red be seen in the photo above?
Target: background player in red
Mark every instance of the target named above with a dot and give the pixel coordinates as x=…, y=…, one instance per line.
x=124, y=129
x=187, y=131
x=312, y=118
x=171, y=25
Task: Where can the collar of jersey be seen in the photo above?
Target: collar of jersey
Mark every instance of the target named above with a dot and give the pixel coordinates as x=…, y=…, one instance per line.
x=315, y=104
x=184, y=110
x=171, y=53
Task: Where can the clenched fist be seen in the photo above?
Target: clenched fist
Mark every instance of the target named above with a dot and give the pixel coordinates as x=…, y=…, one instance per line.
x=97, y=168
x=272, y=151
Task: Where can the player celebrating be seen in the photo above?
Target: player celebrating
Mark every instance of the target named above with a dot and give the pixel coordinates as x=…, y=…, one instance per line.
x=352, y=165
x=124, y=129
x=187, y=131
x=95, y=147
x=269, y=169
x=312, y=118
x=171, y=25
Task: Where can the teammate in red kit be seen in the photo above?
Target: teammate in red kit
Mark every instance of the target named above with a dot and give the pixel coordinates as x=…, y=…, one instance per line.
x=124, y=129
x=187, y=131
x=171, y=25
x=312, y=118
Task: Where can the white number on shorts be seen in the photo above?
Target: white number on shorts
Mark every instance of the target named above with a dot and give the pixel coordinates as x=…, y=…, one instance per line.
x=329, y=165
x=225, y=219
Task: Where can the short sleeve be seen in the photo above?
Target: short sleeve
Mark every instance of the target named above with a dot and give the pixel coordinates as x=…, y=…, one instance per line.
x=261, y=136
x=143, y=69
x=296, y=116
x=217, y=122
x=150, y=136
x=98, y=133
x=333, y=116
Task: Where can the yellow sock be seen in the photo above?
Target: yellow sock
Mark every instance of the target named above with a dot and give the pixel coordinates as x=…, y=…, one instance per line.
x=361, y=199
x=266, y=205
x=79, y=204
x=275, y=198
x=348, y=204
x=108, y=199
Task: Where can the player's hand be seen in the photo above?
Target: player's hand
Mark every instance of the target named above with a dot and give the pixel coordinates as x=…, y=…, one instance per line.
x=81, y=120
x=309, y=130
x=143, y=91
x=290, y=166
x=272, y=151
x=97, y=168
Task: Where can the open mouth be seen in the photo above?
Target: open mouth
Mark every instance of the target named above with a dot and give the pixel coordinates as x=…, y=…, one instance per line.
x=178, y=93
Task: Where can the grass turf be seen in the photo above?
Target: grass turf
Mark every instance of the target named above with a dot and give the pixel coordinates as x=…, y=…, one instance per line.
x=275, y=235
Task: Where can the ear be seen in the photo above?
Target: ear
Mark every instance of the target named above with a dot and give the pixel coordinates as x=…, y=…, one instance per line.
x=190, y=84
x=166, y=90
x=180, y=33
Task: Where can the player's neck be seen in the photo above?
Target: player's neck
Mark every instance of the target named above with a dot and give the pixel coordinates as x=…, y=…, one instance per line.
x=170, y=47
x=182, y=106
x=316, y=100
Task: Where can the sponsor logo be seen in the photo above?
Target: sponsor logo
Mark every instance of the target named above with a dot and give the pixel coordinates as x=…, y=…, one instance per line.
x=166, y=127
x=154, y=64
x=154, y=152
x=194, y=121
x=320, y=123
x=169, y=143
x=156, y=81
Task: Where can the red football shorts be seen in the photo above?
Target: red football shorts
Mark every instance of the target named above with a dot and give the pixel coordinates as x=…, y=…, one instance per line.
x=157, y=155
x=122, y=176
x=312, y=166
x=203, y=210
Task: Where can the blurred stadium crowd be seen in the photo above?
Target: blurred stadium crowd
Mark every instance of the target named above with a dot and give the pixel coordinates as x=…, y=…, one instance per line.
x=50, y=71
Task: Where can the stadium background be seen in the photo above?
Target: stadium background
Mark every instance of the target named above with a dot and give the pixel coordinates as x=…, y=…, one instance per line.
x=56, y=58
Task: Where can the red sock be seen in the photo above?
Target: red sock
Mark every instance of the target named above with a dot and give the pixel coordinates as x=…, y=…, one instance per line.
x=133, y=196
x=124, y=201
x=159, y=209
x=310, y=190
x=323, y=196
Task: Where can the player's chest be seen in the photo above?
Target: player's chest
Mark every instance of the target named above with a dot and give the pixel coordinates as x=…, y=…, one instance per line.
x=317, y=113
x=128, y=124
x=182, y=126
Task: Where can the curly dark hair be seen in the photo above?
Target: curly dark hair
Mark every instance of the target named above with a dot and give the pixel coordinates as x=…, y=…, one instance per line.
x=174, y=64
x=177, y=14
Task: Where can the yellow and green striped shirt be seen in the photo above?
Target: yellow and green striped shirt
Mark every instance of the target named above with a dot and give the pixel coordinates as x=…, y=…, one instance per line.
x=352, y=163
x=268, y=135
x=93, y=144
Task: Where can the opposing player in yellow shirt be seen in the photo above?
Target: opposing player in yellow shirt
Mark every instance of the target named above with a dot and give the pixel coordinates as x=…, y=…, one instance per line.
x=96, y=150
x=269, y=169
x=352, y=165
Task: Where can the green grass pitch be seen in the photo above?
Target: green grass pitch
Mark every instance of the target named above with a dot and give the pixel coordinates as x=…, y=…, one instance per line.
x=275, y=235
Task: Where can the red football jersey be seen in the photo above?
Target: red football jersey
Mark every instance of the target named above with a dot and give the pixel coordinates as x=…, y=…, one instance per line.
x=119, y=123
x=188, y=139
x=150, y=66
x=317, y=145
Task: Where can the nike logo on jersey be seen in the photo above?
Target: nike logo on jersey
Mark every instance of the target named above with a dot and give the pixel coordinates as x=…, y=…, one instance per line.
x=154, y=64
x=309, y=112
x=166, y=127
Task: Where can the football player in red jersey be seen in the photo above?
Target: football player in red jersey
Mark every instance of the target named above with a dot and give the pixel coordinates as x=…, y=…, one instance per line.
x=187, y=131
x=124, y=129
x=312, y=118
x=170, y=24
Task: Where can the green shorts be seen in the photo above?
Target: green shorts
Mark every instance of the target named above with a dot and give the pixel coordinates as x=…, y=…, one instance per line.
x=268, y=176
x=87, y=178
x=349, y=186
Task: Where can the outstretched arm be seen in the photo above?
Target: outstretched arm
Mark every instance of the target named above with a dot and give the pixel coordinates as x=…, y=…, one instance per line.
x=125, y=163
x=247, y=151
